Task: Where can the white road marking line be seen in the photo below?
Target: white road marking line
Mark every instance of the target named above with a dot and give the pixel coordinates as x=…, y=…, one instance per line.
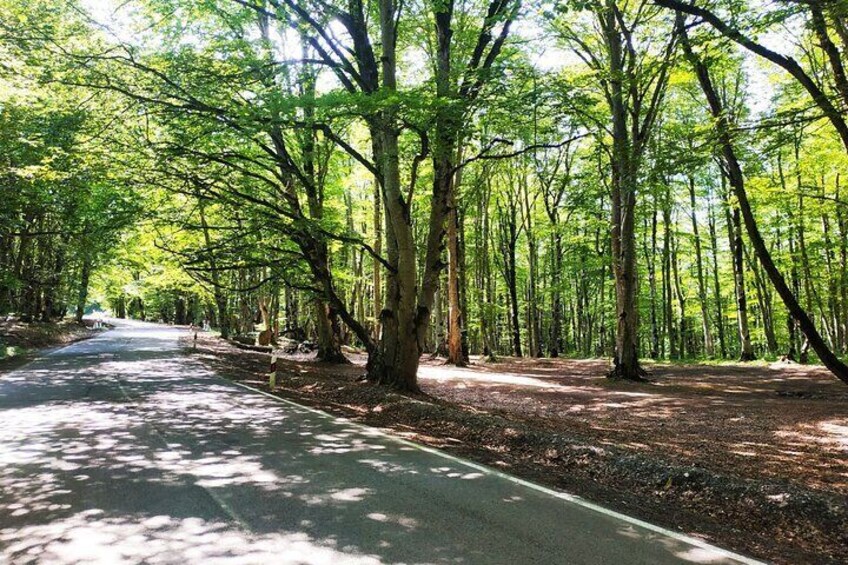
x=539, y=488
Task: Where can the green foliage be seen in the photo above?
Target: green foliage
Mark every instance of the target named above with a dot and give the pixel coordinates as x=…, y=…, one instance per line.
x=201, y=157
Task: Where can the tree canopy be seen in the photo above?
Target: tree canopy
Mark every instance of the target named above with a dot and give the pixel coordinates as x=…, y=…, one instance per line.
x=634, y=179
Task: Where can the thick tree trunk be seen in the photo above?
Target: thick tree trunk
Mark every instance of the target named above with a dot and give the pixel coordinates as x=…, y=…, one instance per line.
x=329, y=333
x=622, y=229
x=445, y=176
x=395, y=361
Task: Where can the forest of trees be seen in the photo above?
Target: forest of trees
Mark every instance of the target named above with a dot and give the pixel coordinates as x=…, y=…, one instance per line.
x=631, y=179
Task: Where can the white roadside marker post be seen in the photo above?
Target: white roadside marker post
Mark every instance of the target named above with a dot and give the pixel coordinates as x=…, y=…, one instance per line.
x=272, y=375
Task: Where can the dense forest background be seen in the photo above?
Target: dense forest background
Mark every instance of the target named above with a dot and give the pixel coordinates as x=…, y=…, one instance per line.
x=600, y=178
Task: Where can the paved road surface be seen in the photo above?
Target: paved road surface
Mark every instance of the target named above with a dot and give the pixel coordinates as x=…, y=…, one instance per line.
x=121, y=449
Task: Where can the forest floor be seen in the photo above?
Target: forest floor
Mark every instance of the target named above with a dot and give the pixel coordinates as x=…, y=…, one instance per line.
x=752, y=457
x=20, y=340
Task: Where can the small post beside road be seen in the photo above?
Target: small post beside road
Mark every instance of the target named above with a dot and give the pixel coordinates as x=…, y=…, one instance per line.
x=272, y=374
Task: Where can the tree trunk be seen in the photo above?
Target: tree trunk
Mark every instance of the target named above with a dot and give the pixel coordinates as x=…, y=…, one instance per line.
x=668, y=308
x=456, y=352
x=681, y=299
x=556, y=291
x=217, y=289
x=533, y=324
x=650, y=260
x=716, y=283
x=842, y=224
x=329, y=333
x=395, y=361
x=734, y=230
x=709, y=348
x=377, y=280
x=622, y=229
x=82, y=295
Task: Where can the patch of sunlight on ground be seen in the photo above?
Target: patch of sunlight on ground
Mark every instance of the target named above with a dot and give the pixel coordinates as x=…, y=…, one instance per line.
x=90, y=537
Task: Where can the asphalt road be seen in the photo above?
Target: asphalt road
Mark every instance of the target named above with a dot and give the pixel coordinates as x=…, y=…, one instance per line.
x=121, y=449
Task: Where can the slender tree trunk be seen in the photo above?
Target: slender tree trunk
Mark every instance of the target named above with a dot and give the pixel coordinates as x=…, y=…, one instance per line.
x=650, y=260
x=709, y=348
x=842, y=224
x=377, y=280
x=488, y=325
x=456, y=353
x=82, y=295
x=556, y=310
x=533, y=322
x=832, y=287
x=813, y=298
x=512, y=285
x=668, y=309
x=681, y=299
x=734, y=229
x=716, y=283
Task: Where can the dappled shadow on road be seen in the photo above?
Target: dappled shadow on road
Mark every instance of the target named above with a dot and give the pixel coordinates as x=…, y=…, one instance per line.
x=120, y=450
x=89, y=536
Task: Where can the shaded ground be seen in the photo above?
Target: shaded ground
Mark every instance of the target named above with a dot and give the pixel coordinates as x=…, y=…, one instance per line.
x=752, y=457
x=18, y=340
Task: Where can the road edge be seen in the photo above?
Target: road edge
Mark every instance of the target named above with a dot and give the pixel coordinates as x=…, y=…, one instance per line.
x=561, y=495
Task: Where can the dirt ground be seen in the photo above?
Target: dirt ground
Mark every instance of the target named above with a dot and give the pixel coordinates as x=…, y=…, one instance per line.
x=786, y=422
x=19, y=340
x=751, y=457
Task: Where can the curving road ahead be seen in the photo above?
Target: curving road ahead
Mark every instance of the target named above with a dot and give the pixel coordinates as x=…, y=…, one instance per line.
x=120, y=449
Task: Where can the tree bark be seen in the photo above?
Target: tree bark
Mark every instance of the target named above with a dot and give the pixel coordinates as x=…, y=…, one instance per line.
x=722, y=341
x=668, y=308
x=626, y=358
x=82, y=294
x=734, y=230
x=709, y=348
